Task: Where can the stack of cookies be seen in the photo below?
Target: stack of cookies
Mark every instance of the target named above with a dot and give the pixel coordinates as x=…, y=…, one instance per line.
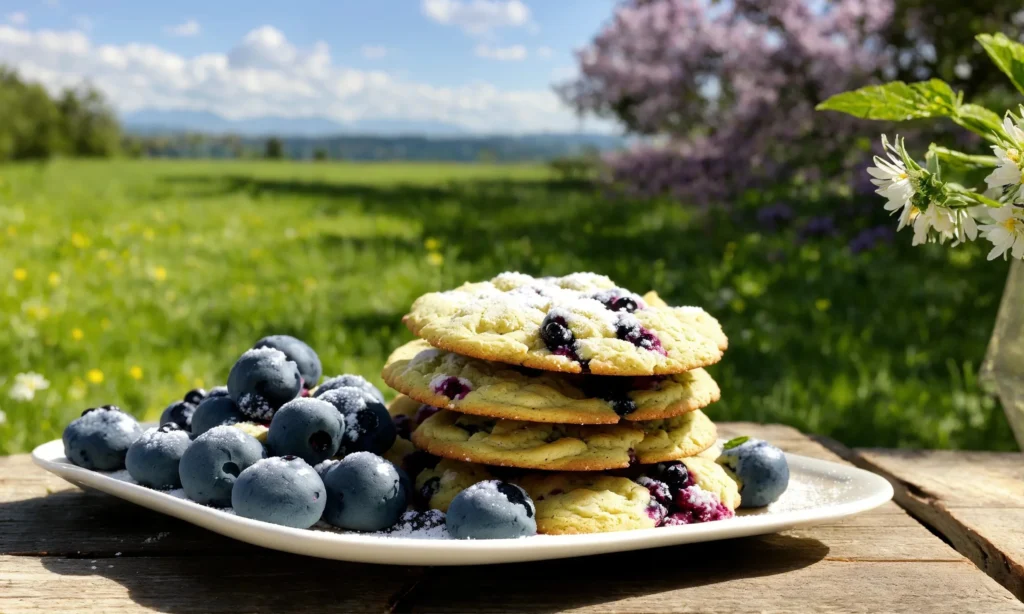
x=588, y=396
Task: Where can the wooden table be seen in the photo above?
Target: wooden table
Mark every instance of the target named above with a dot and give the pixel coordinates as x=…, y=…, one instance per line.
x=64, y=550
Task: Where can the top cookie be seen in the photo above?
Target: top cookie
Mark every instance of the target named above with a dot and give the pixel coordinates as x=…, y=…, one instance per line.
x=578, y=323
x=495, y=389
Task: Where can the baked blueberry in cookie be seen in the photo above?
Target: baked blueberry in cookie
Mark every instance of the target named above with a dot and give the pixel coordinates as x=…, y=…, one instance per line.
x=577, y=323
x=492, y=510
x=263, y=380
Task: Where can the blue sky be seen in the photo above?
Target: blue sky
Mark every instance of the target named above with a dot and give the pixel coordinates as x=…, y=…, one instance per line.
x=486, y=65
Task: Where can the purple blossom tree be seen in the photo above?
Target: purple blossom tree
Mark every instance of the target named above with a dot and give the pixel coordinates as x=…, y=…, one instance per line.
x=726, y=92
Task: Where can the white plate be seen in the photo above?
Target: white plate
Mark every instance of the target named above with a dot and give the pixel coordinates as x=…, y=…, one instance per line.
x=819, y=491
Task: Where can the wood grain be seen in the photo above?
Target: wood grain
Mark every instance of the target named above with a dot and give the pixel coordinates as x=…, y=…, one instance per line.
x=973, y=499
x=65, y=550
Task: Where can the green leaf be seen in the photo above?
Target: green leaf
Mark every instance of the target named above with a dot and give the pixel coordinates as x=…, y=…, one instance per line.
x=1007, y=54
x=735, y=442
x=899, y=101
x=896, y=101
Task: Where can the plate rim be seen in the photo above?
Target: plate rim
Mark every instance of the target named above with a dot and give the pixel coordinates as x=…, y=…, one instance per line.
x=412, y=551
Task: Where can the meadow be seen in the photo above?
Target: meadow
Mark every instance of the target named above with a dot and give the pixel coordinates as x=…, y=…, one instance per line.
x=129, y=282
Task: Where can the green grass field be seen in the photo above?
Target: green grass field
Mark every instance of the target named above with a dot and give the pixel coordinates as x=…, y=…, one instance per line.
x=129, y=282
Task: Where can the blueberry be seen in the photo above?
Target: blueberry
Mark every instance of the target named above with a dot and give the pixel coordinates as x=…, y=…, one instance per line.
x=364, y=493
x=308, y=428
x=622, y=406
x=454, y=388
x=262, y=381
x=413, y=522
x=195, y=396
x=100, y=438
x=673, y=474
x=350, y=381
x=180, y=413
x=217, y=391
x=215, y=411
x=215, y=459
x=153, y=458
x=283, y=490
x=629, y=329
x=492, y=510
x=298, y=352
x=556, y=334
x=425, y=411
x=323, y=467
x=403, y=426
x=618, y=299
x=368, y=425
x=660, y=492
x=700, y=505
x=760, y=468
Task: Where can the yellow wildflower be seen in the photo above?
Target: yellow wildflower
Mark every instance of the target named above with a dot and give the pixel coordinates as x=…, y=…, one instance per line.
x=53, y=278
x=20, y=274
x=77, y=334
x=432, y=244
x=94, y=376
x=435, y=259
x=135, y=372
x=822, y=304
x=159, y=273
x=80, y=241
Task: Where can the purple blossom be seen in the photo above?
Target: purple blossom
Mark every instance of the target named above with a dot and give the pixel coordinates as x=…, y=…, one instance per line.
x=818, y=226
x=774, y=216
x=728, y=89
x=870, y=238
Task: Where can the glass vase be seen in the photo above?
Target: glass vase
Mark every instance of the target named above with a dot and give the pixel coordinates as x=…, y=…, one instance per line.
x=1003, y=369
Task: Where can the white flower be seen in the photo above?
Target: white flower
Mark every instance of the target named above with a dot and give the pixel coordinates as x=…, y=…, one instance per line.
x=1006, y=232
x=942, y=219
x=966, y=225
x=1008, y=173
x=893, y=183
x=26, y=385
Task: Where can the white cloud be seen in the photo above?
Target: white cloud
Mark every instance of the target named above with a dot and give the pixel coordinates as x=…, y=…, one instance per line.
x=513, y=53
x=544, y=51
x=264, y=74
x=188, y=28
x=374, y=52
x=479, y=17
x=18, y=18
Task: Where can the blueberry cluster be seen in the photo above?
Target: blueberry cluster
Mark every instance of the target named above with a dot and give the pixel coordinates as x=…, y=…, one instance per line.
x=676, y=499
x=320, y=458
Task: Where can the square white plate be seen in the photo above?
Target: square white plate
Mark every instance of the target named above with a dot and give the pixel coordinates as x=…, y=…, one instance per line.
x=819, y=491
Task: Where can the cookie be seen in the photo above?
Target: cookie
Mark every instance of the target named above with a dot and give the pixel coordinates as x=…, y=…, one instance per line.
x=712, y=477
x=498, y=390
x=438, y=485
x=578, y=323
x=573, y=503
x=675, y=438
x=563, y=447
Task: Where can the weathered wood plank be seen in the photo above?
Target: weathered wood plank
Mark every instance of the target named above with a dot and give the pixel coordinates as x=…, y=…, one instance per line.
x=878, y=561
x=231, y=584
x=973, y=499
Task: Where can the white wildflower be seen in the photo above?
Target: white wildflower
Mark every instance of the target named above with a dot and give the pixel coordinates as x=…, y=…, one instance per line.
x=1008, y=173
x=966, y=225
x=26, y=385
x=1006, y=232
x=893, y=181
x=935, y=217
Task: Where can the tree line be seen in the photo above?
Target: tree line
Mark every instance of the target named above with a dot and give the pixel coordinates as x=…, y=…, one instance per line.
x=36, y=125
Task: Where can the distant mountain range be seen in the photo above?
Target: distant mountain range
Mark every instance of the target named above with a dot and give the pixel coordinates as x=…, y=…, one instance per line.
x=155, y=121
x=363, y=140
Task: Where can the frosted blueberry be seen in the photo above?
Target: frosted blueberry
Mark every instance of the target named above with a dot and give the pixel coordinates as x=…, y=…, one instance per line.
x=298, y=352
x=100, y=438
